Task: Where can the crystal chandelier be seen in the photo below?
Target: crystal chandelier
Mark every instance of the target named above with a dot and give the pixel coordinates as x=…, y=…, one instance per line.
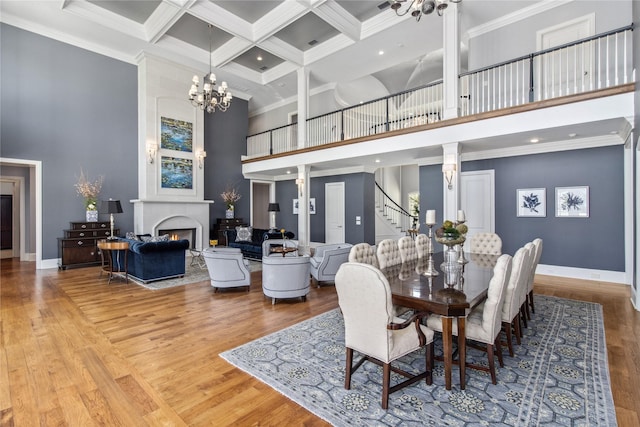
x=421, y=7
x=210, y=98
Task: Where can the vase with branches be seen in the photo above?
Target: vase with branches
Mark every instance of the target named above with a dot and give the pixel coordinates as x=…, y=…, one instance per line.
x=230, y=196
x=89, y=190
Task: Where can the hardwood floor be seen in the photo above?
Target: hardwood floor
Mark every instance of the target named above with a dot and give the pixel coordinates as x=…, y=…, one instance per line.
x=76, y=351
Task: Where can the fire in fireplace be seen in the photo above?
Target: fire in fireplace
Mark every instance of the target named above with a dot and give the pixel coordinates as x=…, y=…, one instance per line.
x=180, y=234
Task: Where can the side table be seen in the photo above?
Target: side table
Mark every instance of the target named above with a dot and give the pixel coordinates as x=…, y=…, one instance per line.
x=106, y=248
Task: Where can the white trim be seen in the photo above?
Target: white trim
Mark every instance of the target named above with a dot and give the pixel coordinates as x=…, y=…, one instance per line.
x=583, y=273
x=36, y=186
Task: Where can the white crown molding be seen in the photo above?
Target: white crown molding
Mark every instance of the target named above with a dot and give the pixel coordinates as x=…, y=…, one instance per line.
x=548, y=147
x=336, y=16
x=516, y=16
x=284, y=50
x=165, y=15
x=223, y=19
x=106, y=18
x=331, y=46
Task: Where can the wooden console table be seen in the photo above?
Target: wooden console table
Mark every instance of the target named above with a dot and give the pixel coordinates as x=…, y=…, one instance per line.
x=106, y=248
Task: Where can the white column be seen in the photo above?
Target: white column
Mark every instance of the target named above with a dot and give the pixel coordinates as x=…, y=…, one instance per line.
x=451, y=62
x=451, y=197
x=303, y=209
x=303, y=105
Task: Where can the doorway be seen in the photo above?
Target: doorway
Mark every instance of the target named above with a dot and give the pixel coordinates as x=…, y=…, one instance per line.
x=334, y=212
x=477, y=199
x=260, y=197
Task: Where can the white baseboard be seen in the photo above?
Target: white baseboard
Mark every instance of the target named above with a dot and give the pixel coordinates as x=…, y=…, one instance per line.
x=584, y=273
x=49, y=263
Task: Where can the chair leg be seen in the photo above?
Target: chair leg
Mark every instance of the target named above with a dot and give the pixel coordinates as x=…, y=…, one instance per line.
x=523, y=310
x=499, y=352
x=492, y=363
x=506, y=326
x=429, y=360
x=386, y=379
x=518, y=331
x=533, y=308
x=347, y=374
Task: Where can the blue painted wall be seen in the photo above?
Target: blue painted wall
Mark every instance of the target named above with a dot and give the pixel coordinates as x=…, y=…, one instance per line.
x=596, y=242
x=71, y=109
x=359, y=201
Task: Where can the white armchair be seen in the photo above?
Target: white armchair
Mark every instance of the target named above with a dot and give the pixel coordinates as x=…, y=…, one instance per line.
x=327, y=259
x=227, y=268
x=285, y=277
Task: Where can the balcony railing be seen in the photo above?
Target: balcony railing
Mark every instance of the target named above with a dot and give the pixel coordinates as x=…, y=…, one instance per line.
x=593, y=63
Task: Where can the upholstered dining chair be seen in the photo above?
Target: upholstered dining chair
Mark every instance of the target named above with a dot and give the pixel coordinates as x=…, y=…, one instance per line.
x=516, y=287
x=524, y=295
x=364, y=253
x=422, y=245
x=483, y=324
x=486, y=243
x=388, y=253
x=407, y=248
x=227, y=268
x=371, y=328
x=537, y=244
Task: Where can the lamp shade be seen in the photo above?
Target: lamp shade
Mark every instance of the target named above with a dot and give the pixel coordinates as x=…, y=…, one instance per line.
x=111, y=206
x=274, y=207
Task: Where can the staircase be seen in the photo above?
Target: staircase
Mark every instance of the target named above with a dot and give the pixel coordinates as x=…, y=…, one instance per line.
x=392, y=220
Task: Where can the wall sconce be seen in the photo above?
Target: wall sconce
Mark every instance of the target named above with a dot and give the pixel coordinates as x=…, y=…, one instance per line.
x=200, y=155
x=448, y=169
x=151, y=151
x=300, y=182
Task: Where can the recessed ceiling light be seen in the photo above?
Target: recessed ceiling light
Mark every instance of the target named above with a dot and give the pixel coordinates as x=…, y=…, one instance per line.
x=614, y=132
x=534, y=140
x=259, y=58
x=572, y=135
x=288, y=171
x=377, y=160
x=361, y=102
x=381, y=52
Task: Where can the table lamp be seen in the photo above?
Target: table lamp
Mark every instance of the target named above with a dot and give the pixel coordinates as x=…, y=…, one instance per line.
x=111, y=206
x=273, y=208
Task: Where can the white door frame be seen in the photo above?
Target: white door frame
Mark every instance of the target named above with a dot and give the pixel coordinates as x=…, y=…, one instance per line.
x=489, y=192
x=327, y=201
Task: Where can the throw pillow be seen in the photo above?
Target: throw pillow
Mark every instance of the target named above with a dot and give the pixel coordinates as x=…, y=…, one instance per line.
x=131, y=235
x=163, y=238
x=243, y=234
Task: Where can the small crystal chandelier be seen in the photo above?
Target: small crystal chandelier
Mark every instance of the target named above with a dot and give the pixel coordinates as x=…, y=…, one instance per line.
x=210, y=99
x=422, y=7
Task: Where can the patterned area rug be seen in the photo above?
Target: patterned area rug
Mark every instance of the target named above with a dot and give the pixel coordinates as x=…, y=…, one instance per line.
x=193, y=274
x=559, y=375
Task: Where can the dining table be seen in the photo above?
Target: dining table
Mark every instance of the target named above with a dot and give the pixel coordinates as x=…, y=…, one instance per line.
x=412, y=288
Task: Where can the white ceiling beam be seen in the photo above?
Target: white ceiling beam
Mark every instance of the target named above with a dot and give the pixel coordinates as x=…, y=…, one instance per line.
x=336, y=16
x=243, y=72
x=278, y=71
x=165, y=15
x=277, y=19
x=283, y=50
x=229, y=51
x=327, y=48
x=381, y=22
x=105, y=18
x=223, y=19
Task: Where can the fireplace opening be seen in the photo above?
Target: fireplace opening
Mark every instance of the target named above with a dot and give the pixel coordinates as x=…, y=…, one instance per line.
x=181, y=234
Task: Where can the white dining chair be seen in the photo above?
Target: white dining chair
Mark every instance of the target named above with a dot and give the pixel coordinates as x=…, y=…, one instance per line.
x=486, y=243
x=483, y=324
x=537, y=243
x=372, y=330
x=407, y=248
x=388, y=253
x=364, y=253
x=422, y=245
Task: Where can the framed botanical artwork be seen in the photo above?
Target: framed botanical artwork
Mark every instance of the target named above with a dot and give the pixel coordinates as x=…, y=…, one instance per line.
x=312, y=206
x=572, y=202
x=176, y=135
x=532, y=202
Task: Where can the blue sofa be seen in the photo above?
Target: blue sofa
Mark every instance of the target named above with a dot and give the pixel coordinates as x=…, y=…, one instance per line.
x=150, y=261
x=253, y=249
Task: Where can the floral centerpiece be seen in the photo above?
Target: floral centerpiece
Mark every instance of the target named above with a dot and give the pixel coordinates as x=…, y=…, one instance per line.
x=90, y=191
x=230, y=196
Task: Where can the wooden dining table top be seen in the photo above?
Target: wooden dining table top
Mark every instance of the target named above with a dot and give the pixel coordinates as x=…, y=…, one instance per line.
x=411, y=288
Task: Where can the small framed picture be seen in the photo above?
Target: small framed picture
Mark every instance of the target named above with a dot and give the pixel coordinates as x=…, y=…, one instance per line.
x=572, y=202
x=532, y=202
x=312, y=206
x=295, y=206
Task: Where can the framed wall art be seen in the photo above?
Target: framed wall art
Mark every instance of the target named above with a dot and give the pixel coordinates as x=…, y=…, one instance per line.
x=176, y=135
x=176, y=172
x=572, y=202
x=532, y=202
x=312, y=206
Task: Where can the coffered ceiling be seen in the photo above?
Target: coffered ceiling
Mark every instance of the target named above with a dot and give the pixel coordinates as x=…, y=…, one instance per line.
x=257, y=45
